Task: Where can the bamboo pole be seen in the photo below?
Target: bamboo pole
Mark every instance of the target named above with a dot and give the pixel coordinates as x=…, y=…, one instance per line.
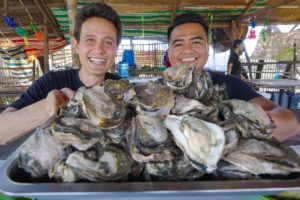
x=46, y=46
x=5, y=6
x=72, y=10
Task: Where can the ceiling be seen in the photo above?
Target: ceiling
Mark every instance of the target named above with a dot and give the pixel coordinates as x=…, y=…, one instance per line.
x=149, y=17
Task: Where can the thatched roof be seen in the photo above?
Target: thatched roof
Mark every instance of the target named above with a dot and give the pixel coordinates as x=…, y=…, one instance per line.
x=149, y=17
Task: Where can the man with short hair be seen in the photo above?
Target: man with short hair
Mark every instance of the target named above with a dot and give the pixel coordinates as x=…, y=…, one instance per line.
x=188, y=44
x=98, y=32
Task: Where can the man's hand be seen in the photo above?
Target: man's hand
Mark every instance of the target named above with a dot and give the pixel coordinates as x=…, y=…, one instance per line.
x=56, y=98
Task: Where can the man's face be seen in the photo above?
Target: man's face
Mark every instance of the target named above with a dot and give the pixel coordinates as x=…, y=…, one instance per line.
x=188, y=45
x=241, y=48
x=97, y=46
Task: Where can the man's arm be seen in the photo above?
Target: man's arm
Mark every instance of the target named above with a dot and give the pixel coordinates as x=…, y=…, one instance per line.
x=15, y=123
x=286, y=122
x=229, y=68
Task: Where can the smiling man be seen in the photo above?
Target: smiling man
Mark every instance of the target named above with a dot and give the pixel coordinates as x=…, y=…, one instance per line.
x=98, y=32
x=188, y=44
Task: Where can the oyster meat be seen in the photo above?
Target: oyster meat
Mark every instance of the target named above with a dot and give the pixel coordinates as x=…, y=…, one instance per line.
x=201, y=142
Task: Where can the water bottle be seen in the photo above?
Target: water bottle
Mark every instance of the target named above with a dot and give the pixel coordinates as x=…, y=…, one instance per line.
x=276, y=97
x=294, y=100
x=123, y=69
x=284, y=100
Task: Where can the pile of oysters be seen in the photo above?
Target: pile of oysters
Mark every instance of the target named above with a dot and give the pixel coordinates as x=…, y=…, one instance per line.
x=180, y=130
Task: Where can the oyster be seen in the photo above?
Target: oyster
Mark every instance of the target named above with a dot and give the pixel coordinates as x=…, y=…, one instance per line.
x=148, y=140
x=178, y=169
x=178, y=77
x=102, y=163
x=184, y=105
x=201, y=87
x=201, y=142
x=153, y=99
x=79, y=133
x=100, y=108
x=246, y=119
x=255, y=159
x=119, y=89
x=40, y=153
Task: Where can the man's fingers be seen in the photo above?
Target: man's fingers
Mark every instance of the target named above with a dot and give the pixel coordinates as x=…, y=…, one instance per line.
x=68, y=93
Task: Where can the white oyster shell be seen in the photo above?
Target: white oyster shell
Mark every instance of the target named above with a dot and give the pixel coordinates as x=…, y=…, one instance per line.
x=201, y=142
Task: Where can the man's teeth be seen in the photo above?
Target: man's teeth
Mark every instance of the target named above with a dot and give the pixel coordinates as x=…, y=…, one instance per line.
x=188, y=59
x=97, y=61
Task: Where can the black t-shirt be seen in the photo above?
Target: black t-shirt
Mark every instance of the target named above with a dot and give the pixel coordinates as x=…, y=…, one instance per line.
x=236, y=88
x=50, y=81
x=234, y=58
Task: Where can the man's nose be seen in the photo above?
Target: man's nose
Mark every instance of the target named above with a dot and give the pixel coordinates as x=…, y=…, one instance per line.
x=188, y=46
x=99, y=47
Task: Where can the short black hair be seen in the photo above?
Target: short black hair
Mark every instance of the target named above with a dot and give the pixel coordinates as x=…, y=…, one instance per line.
x=237, y=42
x=100, y=10
x=187, y=18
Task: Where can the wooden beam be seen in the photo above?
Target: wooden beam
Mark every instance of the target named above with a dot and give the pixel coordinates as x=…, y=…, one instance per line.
x=174, y=9
x=48, y=18
x=249, y=6
x=266, y=9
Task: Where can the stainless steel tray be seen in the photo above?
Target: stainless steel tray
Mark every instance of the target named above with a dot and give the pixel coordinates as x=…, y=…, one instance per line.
x=15, y=182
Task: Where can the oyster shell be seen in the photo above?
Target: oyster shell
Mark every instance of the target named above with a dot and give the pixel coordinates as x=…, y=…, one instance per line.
x=246, y=119
x=178, y=169
x=121, y=89
x=100, y=108
x=255, y=159
x=153, y=99
x=201, y=142
x=102, y=163
x=40, y=153
x=79, y=133
x=148, y=140
x=178, y=77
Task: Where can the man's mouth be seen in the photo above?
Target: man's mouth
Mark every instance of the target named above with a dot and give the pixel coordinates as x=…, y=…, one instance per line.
x=97, y=61
x=188, y=60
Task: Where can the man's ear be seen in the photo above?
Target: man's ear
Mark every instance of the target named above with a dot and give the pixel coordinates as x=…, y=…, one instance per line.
x=74, y=44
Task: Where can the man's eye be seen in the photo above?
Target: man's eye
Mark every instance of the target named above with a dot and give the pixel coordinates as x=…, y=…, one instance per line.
x=178, y=45
x=109, y=43
x=197, y=42
x=89, y=40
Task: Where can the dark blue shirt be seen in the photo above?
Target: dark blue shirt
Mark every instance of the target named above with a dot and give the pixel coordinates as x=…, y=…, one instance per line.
x=236, y=87
x=50, y=81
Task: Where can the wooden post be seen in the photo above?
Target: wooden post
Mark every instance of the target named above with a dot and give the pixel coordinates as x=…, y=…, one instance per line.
x=5, y=6
x=248, y=61
x=72, y=10
x=46, y=46
x=33, y=69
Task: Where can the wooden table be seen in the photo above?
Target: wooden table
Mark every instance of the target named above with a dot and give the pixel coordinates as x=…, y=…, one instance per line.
x=278, y=84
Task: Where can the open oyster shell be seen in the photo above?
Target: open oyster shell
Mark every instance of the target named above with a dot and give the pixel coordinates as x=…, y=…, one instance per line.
x=121, y=89
x=201, y=142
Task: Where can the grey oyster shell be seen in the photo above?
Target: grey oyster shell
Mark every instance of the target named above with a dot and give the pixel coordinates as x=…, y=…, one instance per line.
x=121, y=89
x=40, y=153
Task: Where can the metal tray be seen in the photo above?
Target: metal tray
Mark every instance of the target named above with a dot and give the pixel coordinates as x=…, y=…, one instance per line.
x=16, y=182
